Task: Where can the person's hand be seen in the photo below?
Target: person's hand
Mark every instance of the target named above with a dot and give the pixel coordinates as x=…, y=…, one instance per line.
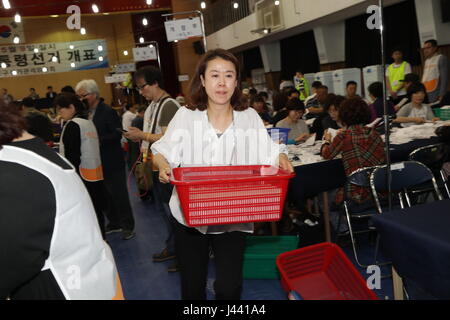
x=397, y=107
x=302, y=137
x=341, y=130
x=284, y=163
x=419, y=120
x=134, y=134
x=164, y=175
x=327, y=137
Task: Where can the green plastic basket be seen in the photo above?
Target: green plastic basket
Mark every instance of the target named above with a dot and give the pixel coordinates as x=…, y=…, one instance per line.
x=261, y=253
x=443, y=114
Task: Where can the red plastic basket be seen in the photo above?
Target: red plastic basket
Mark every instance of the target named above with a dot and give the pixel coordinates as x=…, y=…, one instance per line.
x=231, y=195
x=322, y=272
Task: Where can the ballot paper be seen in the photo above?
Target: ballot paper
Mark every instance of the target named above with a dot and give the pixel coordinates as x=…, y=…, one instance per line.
x=309, y=122
x=333, y=133
x=310, y=141
x=445, y=107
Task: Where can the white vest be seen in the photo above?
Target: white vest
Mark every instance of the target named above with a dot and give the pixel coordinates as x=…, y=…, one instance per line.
x=79, y=259
x=431, y=73
x=91, y=163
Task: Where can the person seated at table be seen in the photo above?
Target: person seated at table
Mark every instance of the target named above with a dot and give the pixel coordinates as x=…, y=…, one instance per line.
x=293, y=94
x=415, y=112
x=359, y=146
x=258, y=104
x=377, y=107
x=331, y=119
x=299, y=129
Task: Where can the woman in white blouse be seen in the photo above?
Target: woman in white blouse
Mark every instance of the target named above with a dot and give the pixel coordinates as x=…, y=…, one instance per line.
x=216, y=129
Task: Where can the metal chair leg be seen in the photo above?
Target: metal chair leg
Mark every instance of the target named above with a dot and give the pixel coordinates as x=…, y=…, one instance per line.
x=445, y=183
x=352, y=237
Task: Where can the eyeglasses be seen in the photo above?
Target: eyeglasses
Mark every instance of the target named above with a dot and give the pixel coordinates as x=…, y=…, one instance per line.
x=141, y=87
x=82, y=96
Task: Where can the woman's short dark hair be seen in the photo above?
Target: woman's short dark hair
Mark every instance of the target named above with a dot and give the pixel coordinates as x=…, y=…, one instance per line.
x=279, y=101
x=337, y=102
x=416, y=87
x=64, y=100
x=151, y=75
x=291, y=91
x=354, y=111
x=328, y=101
x=376, y=89
x=12, y=124
x=198, y=99
x=295, y=104
x=257, y=99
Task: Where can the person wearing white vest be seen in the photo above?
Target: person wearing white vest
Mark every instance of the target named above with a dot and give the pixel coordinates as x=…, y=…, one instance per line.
x=50, y=243
x=159, y=113
x=79, y=144
x=435, y=72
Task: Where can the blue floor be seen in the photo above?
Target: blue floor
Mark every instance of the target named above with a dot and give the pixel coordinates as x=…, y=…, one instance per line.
x=144, y=280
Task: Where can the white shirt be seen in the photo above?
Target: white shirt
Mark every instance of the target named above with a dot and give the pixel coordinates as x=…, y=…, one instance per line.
x=408, y=70
x=127, y=119
x=191, y=141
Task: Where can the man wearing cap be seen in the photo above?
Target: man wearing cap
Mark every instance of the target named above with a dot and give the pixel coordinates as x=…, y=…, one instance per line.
x=435, y=72
x=395, y=74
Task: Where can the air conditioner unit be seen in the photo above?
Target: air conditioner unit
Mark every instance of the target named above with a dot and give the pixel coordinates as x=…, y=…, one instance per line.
x=269, y=15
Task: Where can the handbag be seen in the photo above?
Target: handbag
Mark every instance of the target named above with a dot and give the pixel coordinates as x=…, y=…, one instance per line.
x=143, y=169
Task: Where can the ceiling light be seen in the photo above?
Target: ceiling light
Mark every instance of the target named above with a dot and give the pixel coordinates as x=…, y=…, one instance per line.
x=175, y=41
x=100, y=48
x=100, y=58
x=71, y=47
x=125, y=53
x=44, y=69
x=145, y=21
x=54, y=16
x=151, y=46
x=106, y=13
x=266, y=31
x=235, y=5
x=141, y=40
x=55, y=59
x=149, y=2
x=16, y=40
x=277, y=3
x=203, y=5
x=83, y=31
x=14, y=73
x=72, y=64
x=17, y=18
x=36, y=50
x=6, y=4
x=3, y=65
x=95, y=8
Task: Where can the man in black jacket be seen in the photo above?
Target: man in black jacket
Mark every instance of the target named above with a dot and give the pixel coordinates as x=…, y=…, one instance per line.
x=108, y=126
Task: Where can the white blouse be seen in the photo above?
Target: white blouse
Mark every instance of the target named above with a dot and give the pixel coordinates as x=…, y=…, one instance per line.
x=191, y=141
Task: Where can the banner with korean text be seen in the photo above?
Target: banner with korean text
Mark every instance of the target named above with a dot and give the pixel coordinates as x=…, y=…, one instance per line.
x=42, y=58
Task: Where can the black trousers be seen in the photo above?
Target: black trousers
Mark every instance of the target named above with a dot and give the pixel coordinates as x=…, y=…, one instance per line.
x=97, y=192
x=119, y=211
x=192, y=250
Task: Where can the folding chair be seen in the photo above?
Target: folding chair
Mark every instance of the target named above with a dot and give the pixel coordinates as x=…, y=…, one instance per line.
x=405, y=176
x=359, y=178
x=433, y=157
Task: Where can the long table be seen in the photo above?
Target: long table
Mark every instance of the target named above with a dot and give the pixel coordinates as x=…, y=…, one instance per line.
x=417, y=241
